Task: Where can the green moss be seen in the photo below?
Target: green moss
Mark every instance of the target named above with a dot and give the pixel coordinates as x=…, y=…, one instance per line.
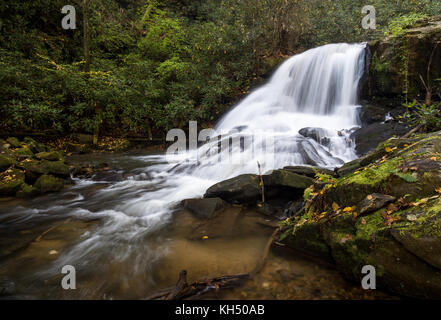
x=373, y=175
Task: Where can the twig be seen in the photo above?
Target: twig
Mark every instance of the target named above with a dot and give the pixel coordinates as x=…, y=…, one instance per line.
x=261, y=183
x=407, y=135
x=262, y=260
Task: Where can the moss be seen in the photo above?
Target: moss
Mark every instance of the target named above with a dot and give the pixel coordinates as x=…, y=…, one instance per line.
x=375, y=175
x=47, y=183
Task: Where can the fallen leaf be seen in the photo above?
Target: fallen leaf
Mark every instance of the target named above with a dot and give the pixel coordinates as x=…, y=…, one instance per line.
x=369, y=197
x=363, y=221
x=204, y=237
x=388, y=149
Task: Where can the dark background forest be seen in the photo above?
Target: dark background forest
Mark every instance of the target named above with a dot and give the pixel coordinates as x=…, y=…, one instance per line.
x=155, y=64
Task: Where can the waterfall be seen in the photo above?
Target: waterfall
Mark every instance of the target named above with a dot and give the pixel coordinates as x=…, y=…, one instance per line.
x=300, y=117
x=305, y=112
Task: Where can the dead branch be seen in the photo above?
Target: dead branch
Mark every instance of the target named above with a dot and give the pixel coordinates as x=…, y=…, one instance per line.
x=183, y=290
x=261, y=183
x=407, y=135
x=262, y=260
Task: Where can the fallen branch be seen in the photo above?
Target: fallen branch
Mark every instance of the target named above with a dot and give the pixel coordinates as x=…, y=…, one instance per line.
x=262, y=260
x=183, y=290
x=407, y=135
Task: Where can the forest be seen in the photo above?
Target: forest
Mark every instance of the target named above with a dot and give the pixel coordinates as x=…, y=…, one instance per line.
x=155, y=64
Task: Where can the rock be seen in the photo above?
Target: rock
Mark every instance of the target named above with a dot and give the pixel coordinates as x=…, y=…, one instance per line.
x=367, y=138
x=241, y=189
x=309, y=171
x=34, y=146
x=50, y=156
x=317, y=134
x=386, y=76
x=11, y=181
x=48, y=183
x=6, y=162
x=373, y=202
x=246, y=189
x=7, y=287
x=85, y=138
x=33, y=169
x=77, y=148
x=205, y=208
x=23, y=153
x=56, y=168
x=27, y=191
x=396, y=229
x=284, y=179
x=426, y=248
x=14, y=142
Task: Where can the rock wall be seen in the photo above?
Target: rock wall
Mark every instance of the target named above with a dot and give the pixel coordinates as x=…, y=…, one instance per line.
x=398, y=61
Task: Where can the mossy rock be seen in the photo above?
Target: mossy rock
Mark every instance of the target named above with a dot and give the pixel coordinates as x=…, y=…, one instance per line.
x=23, y=153
x=401, y=237
x=6, y=162
x=33, y=169
x=56, y=168
x=11, y=181
x=27, y=191
x=14, y=142
x=47, y=183
x=35, y=146
x=50, y=156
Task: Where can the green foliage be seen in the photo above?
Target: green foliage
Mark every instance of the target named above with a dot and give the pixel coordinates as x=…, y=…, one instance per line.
x=429, y=117
x=399, y=25
x=156, y=64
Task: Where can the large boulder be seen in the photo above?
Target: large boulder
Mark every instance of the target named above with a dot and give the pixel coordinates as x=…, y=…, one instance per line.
x=368, y=137
x=387, y=213
x=241, y=189
x=247, y=189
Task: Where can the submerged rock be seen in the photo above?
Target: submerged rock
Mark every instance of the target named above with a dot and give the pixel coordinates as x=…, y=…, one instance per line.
x=205, y=208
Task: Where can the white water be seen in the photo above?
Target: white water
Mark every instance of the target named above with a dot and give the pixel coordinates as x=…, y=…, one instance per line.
x=317, y=88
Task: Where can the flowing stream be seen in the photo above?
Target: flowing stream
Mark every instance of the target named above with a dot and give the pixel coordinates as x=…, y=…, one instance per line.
x=121, y=234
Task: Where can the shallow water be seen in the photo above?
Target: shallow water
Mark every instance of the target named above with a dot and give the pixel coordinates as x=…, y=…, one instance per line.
x=122, y=256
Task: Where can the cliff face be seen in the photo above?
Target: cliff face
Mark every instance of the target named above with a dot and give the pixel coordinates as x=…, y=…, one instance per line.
x=398, y=61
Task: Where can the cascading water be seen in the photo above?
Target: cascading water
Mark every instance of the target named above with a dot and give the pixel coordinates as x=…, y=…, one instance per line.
x=316, y=89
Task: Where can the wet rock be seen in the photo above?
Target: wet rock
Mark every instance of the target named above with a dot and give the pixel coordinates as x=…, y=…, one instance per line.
x=373, y=202
x=367, y=138
x=309, y=171
x=317, y=134
x=246, y=189
x=6, y=162
x=7, y=287
x=241, y=189
x=50, y=156
x=14, y=142
x=48, y=183
x=205, y=208
x=350, y=225
x=10, y=181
